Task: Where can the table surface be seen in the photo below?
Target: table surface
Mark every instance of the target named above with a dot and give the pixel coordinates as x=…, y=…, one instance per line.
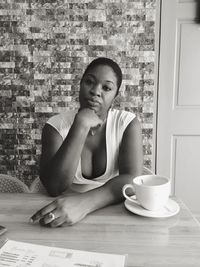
x=154, y=242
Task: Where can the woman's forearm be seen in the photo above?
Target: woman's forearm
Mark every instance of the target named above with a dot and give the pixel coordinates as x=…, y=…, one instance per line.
x=58, y=174
x=108, y=194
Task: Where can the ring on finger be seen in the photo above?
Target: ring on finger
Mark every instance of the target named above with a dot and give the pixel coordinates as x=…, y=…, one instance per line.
x=51, y=215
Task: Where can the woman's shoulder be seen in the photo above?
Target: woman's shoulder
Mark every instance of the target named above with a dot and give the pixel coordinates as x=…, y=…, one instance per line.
x=62, y=122
x=122, y=115
x=63, y=117
x=118, y=121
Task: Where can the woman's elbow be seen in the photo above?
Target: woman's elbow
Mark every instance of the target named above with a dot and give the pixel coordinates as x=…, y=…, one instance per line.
x=52, y=192
x=52, y=187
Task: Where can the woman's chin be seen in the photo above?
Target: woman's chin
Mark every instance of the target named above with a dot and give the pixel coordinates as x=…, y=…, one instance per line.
x=95, y=109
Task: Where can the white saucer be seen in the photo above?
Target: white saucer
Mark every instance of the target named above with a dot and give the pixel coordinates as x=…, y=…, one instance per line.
x=170, y=209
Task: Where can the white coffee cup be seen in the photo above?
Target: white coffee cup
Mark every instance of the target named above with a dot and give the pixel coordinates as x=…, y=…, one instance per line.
x=152, y=191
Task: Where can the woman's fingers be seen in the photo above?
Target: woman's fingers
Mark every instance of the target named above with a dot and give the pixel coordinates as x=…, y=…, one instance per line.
x=58, y=219
x=65, y=210
x=49, y=217
x=43, y=212
x=57, y=222
x=63, y=219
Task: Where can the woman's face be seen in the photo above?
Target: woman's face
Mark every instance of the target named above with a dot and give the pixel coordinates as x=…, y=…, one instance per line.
x=98, y=89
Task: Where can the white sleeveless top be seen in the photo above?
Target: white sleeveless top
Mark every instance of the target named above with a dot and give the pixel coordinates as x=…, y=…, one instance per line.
x=117, y=121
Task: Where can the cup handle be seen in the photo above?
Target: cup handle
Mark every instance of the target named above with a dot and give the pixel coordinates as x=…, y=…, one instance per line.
x=126, y=186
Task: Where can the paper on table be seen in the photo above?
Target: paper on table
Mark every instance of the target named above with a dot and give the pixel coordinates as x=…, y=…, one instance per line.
x=14, y=254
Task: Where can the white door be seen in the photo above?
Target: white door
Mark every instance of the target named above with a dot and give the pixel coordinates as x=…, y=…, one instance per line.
x=178, y=124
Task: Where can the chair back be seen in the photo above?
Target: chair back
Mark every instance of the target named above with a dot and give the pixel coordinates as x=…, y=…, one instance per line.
x=37, y=187
x=9, y=184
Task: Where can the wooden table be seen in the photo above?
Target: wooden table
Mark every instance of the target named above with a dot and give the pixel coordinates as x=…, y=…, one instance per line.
x=148, y=242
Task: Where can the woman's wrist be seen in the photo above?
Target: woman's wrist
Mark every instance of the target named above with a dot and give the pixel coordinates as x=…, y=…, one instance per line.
x=81, y=124
x=97, y=198
x=108, y=194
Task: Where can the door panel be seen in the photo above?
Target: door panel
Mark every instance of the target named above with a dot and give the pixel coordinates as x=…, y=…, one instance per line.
x=178, y=124
x=188, y=63
x=185, y=165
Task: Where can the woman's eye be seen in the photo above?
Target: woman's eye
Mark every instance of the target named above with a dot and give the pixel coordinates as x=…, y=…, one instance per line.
x=88, y=81
x=106, y=88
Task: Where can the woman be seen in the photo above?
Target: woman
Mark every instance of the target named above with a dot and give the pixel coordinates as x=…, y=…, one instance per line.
x=93, y=152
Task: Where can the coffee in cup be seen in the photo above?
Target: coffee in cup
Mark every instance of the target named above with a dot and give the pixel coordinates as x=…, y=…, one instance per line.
x=152, y=191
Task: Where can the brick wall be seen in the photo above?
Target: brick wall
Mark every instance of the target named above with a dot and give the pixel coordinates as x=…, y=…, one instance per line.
x=44, y=47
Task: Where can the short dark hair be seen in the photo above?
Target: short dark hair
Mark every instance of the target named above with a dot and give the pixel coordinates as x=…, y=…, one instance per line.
x=108, y=62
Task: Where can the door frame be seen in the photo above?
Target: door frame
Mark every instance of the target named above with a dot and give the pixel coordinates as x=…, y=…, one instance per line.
x=156, y=82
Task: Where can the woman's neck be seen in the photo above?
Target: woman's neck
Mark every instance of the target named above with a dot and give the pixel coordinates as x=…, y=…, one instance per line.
x=97, y=130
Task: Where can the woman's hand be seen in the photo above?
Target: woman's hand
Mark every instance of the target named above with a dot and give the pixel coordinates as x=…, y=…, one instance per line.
x=88, y=118
x=66, y=210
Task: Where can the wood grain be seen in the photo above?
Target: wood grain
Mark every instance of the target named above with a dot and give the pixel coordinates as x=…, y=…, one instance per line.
x=148, y=242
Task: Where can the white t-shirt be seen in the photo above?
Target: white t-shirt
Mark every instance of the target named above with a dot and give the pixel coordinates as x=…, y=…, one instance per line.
x=117, y=121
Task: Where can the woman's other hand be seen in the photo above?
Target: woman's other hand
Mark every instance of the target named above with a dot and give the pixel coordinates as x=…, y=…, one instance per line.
x=66, y=210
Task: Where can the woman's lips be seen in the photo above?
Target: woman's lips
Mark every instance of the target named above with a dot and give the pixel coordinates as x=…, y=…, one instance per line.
x=93, y=102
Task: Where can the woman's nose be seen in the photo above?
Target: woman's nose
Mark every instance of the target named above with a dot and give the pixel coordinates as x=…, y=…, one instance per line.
x=96, y=90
